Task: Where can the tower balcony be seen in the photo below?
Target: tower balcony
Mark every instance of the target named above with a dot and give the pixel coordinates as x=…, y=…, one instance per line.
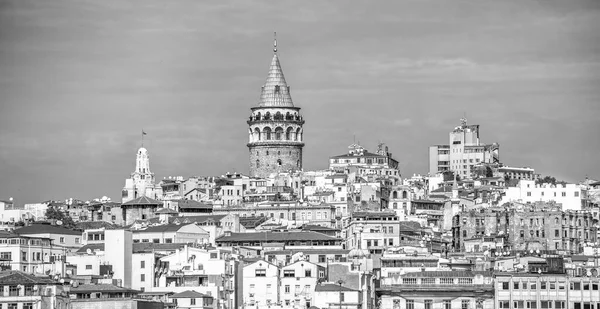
x=275, y=122
x=277, y=143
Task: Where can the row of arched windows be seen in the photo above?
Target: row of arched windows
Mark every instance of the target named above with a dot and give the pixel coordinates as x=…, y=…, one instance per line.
x=277, y=134
x=277, y=116
x=404, y=194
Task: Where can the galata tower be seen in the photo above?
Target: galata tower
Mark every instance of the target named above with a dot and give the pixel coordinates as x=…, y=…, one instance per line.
x=275, y=136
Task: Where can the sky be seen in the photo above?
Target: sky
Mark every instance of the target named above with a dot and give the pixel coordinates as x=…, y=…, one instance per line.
x=79, y=80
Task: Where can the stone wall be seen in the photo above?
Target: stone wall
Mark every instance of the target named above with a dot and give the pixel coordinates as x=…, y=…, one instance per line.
x=268, y=156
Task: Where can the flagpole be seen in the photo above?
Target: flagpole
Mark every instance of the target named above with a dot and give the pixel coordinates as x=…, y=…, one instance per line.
x=142, y=138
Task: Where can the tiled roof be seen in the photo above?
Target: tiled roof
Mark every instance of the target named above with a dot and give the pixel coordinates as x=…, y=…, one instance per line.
x=275, y=92
x=192, y=204
x=328, y=287
x=10, y=277
x=92, y=225
x=308, y=251
x=137, y=247
x=252, y=222
x=314, y=227
x=190, y=294
x=276, y=237
x=197, y=219
x=143, y=200
x=165, y=211
x=45, y=229
x=105, y=288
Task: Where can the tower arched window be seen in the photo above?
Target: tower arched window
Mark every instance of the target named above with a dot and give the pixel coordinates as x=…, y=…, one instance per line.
x=395, y=194
x=288, y=116
x=278, y=116
x=277, y=88
x=288, y=133
x=257, y=116
x=257, y=134
x=257, y=163
x=279, y=162
x=404, y=194
x=267, y=116
x=298, y=137
x=267, y=133
x=278, y=133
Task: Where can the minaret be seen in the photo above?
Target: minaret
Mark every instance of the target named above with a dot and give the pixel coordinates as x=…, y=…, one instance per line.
x=275, y=134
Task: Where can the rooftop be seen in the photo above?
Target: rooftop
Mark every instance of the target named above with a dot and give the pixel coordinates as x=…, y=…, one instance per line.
x=18, y=277
x=277, y=237
x=104, y=288
x=143, y=200
x=328, y=287
x=190, y=294
x=45, y=229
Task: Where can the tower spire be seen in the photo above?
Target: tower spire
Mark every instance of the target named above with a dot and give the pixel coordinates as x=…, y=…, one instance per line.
x=275, y=42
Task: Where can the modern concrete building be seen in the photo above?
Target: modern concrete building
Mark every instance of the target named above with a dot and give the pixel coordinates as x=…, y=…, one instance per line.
x=275, y=133
x=463, y=152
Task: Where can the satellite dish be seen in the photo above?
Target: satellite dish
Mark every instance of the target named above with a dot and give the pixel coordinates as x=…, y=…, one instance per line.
x=59, y=222
x=88, y=251
x=62, y=280
x=75, y=284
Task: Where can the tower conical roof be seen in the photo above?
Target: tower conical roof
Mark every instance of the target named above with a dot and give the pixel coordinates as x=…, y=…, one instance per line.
x=275, y=92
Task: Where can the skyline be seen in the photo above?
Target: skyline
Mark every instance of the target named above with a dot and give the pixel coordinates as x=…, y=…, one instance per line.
x=76, y=98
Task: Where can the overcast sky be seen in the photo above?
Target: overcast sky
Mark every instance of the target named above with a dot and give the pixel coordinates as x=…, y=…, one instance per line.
x=80, y=79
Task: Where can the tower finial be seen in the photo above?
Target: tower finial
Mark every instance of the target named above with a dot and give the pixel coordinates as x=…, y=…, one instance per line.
x=274, y=42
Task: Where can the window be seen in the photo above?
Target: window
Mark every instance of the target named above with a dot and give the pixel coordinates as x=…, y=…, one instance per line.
x=289, y=273
x=76, y=240
x=532, y=304
x=543, y=285
x=143, y=278
x=342, y=298
x=13, y=290
x=505, y=286
x=556, y=233
x=515, y=285
x=62, y=240
x=553, y=285
x=307, y=273
x=504, y=304
x=12, y=306
x=546, y=304
x=428, y=304
x=28, y=306
x=518, y=304
x=559, y=304
x=447, y=304
x=410, y=304
x=576, y=286
x=287, y=289
x=522, y=233
x=465, y=304
x=260, y=273
x=88, y=267
x=192, y=301
x=168, y=240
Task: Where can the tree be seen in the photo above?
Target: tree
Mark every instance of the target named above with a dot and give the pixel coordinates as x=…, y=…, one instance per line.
x=56, y=214
x=489, y=172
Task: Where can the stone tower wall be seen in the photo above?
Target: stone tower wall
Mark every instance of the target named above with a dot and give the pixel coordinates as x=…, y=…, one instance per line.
x=290, y=156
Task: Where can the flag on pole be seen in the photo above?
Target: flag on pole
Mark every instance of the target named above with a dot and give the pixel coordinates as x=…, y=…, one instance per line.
x=144, y=133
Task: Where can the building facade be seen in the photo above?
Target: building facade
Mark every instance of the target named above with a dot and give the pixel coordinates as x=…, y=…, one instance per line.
x=275, y=134
x=463, y=152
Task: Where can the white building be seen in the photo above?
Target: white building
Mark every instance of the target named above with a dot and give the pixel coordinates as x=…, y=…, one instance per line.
x=261, y=284
x=172, y=233
x=331, y=295
x=141, y=182
x=298, y=281
x=463, y=152
x=571, y=196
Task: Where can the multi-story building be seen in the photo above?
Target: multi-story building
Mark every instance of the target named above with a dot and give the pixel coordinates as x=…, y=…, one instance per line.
x=529, y=227
x=172, y=233
x=59, y=235
x=358, y=156
x=373, y=231
x=438, y=289
x=298, y=281
x=261, y=284
x=19, y=290
x=570, y=196
x=463, y=152
x=275, y=134
x=279, y=240
x=520, y=173
x=546, y=290
x=32, y=254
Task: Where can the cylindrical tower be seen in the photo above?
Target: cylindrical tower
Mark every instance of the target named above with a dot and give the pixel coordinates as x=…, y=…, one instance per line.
x=275, y=133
